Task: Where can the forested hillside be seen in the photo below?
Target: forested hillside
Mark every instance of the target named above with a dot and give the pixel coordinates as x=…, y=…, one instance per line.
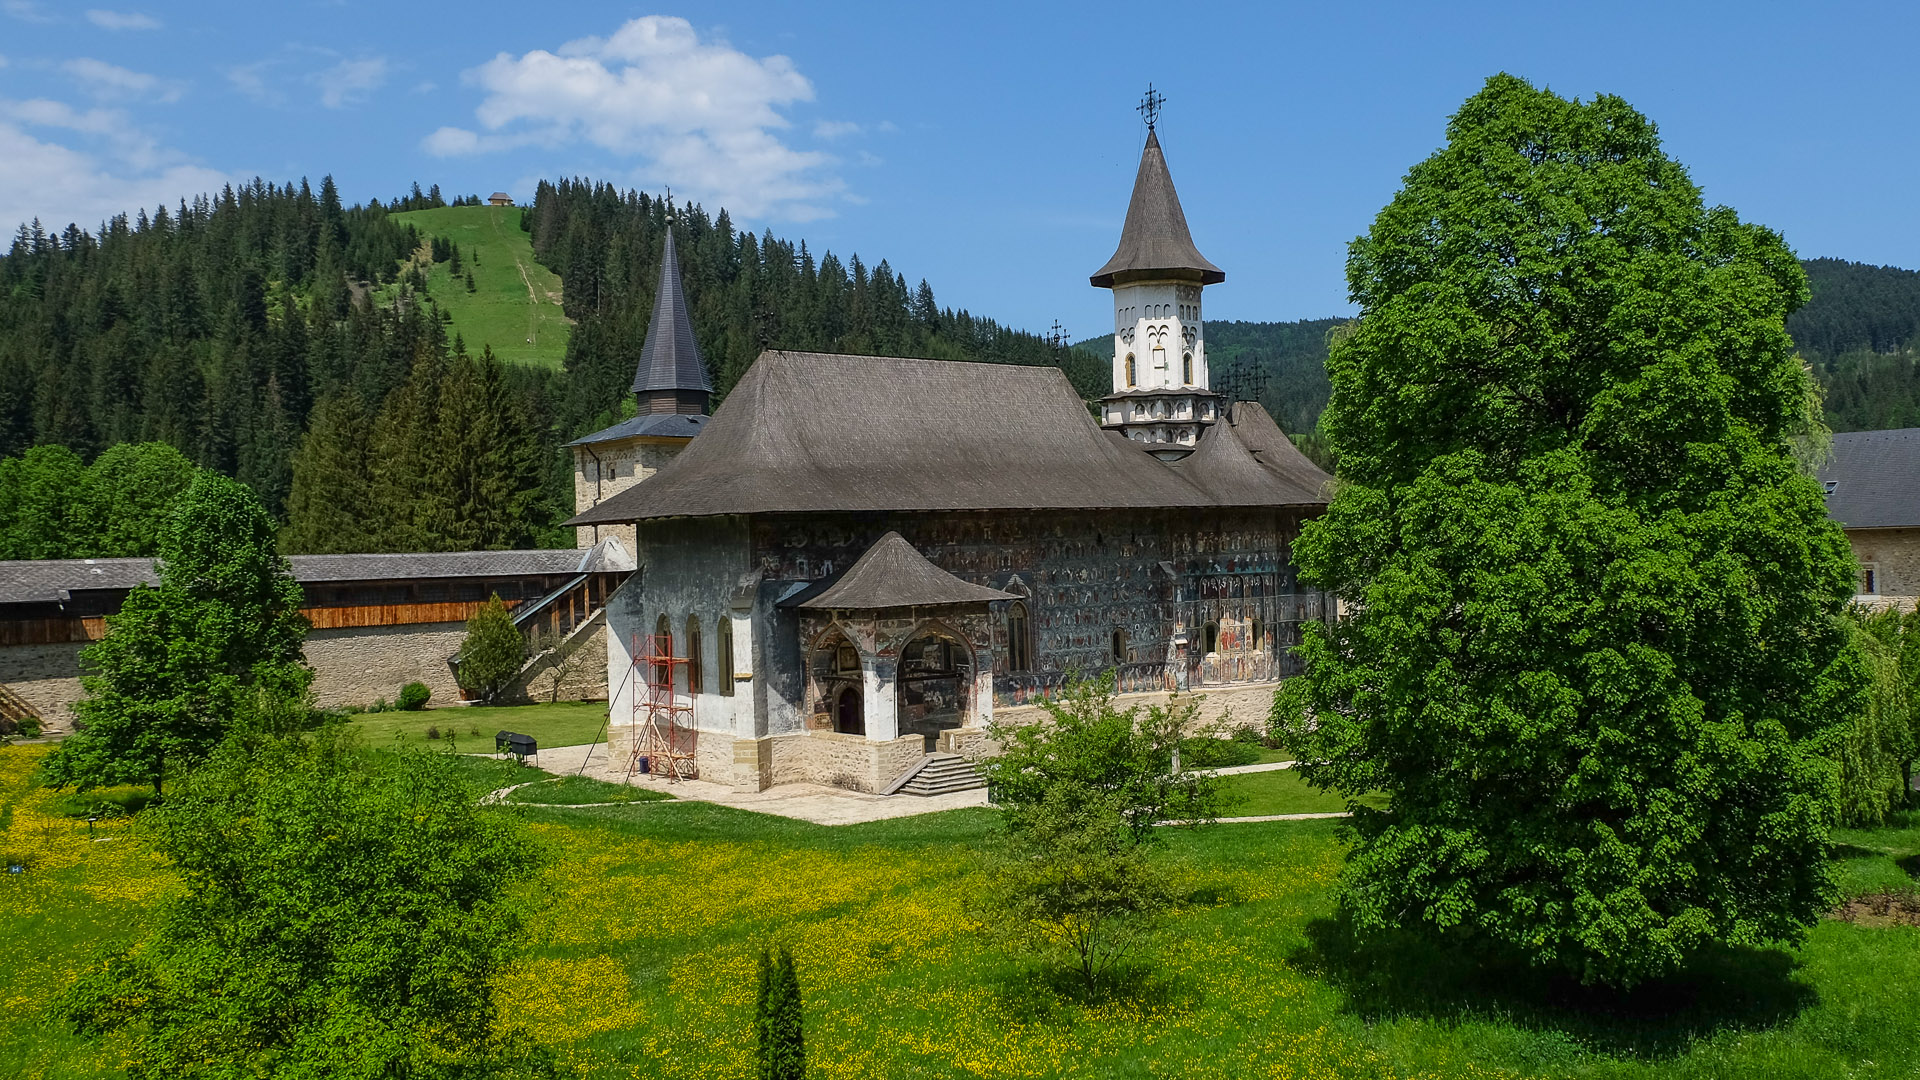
x=747, y=293
x=1861, y=333
x=312, y=350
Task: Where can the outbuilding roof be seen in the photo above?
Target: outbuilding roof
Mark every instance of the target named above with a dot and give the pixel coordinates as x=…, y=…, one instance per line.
x=814, y=432
x=30, y=581
x=1873, y=479
x=1155, y=242
x=892, y=574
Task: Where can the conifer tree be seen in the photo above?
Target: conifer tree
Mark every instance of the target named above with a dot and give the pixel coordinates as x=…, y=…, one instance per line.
x=493, y=651
x=780, y=1049
x=331, y=508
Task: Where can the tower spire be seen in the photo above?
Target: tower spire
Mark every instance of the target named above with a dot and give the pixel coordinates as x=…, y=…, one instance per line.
x=671, y=376
x=1161, y=395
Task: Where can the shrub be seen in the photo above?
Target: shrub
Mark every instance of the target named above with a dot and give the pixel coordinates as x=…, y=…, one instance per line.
x=493, y=650
x=780, y=1047
x=433, y=734
x=414, y=696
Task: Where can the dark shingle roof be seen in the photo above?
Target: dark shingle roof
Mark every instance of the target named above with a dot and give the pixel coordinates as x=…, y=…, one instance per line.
x=892, y=574
x=1155, y=237
x=1248, y=460
x=670, y=358
x=43, y=580
x=655, y=425
x=1874, y=479
x=811, y=432
x=30, y=581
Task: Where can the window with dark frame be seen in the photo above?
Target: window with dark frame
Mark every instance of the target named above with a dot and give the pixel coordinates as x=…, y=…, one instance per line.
x=1119, y=646
x=723, y=646
x=1019, y=638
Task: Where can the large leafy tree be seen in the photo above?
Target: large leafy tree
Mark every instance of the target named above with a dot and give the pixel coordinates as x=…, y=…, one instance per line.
x=1592, y=654
x=343, y=914
x=182, y=660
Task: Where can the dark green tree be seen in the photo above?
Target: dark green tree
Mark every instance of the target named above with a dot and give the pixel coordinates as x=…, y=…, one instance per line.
x=182, y=660
x=493, y=650
x=1592, y=655
x=343, y=914
x=780, y=1047
x=331, y=507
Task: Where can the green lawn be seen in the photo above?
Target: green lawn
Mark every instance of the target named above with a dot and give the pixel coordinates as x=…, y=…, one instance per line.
x=642, y=964
x=567, y=723
x=578, y=790
x=515, y=307
x=1278, y=792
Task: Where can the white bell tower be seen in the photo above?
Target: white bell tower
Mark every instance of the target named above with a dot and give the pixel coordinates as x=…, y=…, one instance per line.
x=1161, y=394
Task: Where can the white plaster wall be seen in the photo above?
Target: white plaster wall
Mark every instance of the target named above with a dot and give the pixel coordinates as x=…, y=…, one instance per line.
x=686, y=567
x=1171, y=308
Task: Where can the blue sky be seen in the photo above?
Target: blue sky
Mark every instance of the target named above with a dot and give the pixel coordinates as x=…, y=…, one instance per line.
x=986, y=147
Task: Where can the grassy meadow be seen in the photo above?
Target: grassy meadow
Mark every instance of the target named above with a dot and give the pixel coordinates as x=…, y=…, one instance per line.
x=642, y=963
x=565, y=723
x=515, y=305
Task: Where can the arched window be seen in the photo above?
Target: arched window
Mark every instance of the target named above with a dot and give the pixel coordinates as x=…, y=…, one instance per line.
x=1119, y=645
x=1019, y=638
x=696, y=671
x=1212, y=637
x=1131, y=380
x=1258, y=634
x=723, y=654
x=662, y=647
x=1159, y=358
x=1186, y=370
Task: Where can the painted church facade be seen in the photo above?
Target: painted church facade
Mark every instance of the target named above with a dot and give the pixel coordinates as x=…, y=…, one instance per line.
x=843, y=574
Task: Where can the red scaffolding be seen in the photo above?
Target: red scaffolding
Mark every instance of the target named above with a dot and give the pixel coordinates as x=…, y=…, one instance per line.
x=663, y=719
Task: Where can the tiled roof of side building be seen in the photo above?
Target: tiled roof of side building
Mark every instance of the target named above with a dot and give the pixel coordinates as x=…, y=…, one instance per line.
x=43, y=580
x=811, y=432
x=1873, y=479
x=648, y=425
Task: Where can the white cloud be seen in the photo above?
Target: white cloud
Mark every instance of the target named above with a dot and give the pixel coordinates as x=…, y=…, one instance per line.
x=835, y=129
x=59, y=183
x=350, y=82
x=251, y=80
x=26, y=11
x=122, y=20
x=699, y=116
x=107, y=82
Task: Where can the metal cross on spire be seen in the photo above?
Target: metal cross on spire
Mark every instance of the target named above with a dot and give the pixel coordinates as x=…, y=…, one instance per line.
x=1149, y=106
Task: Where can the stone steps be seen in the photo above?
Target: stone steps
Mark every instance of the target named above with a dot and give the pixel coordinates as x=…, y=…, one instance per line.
x=942, y=774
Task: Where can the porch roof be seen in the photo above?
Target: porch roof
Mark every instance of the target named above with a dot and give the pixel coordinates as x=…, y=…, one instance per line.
x=891, y=574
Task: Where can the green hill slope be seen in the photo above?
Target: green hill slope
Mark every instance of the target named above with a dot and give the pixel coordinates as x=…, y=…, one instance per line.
x=515, y=306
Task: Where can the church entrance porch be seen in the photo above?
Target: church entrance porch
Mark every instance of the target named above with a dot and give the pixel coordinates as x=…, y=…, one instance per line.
x=936, y=672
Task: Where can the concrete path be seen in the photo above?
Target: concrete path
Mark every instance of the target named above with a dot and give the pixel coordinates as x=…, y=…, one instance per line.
x=818, y=803
x=1265, y=766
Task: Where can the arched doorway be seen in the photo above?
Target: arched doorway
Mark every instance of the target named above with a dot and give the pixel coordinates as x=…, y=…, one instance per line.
x=849, y=714
x=834, y=671
x=935, y=683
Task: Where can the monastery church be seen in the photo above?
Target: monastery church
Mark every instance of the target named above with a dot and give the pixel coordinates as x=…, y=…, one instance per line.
x=857, y=562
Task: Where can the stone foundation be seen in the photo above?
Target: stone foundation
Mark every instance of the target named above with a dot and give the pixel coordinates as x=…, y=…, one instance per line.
x=850, y=761
x=1221, y=706
x=47, y=677
x=586, y=651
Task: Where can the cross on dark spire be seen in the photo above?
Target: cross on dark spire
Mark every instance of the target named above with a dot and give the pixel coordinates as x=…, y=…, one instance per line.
x=1149, y=106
